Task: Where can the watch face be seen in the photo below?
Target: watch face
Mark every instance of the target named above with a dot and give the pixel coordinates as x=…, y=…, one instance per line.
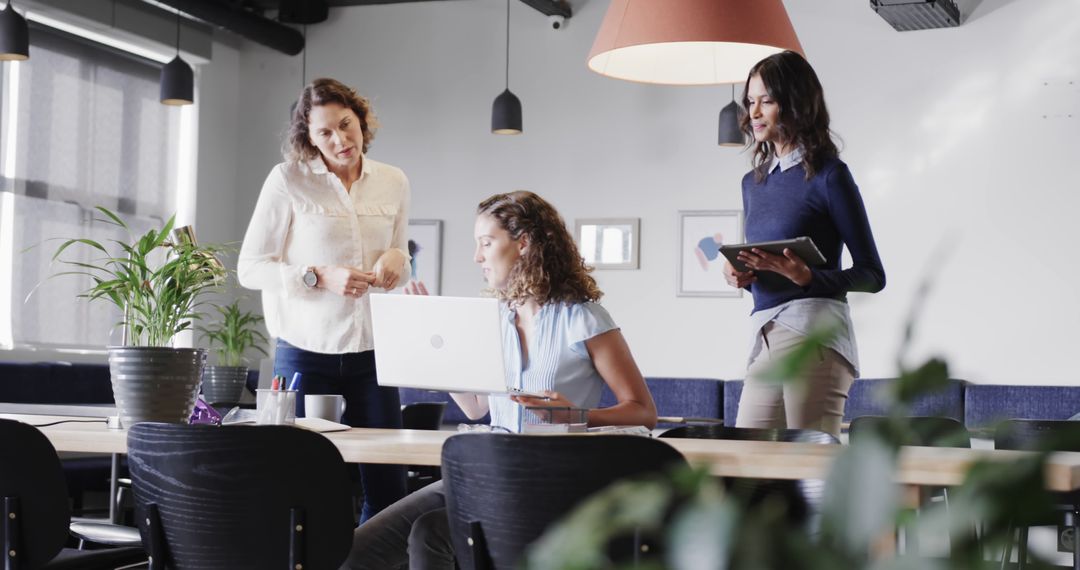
x=310, y=279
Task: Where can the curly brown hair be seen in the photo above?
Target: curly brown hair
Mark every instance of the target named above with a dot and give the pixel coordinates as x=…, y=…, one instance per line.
x=324, y=91
x=804, y=119
x=550, y=269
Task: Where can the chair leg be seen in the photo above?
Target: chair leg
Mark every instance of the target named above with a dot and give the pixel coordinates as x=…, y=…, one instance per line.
x=1022, y=549
x=1076, y=538
x=1006, y=551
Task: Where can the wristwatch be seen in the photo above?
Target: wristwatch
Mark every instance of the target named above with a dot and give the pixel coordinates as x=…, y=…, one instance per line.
x=311, y=279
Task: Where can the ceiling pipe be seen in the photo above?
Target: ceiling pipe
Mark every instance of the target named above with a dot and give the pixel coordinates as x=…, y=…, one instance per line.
x=238, y=21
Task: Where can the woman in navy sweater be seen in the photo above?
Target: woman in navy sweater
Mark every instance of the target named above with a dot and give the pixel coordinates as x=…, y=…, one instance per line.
x=799, y=187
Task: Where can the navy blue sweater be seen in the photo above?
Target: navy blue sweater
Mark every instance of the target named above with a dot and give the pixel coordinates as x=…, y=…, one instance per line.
x=829, y=209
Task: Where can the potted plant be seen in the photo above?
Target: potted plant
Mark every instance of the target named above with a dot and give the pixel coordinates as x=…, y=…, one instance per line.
x=157, y=284
x=231, y=335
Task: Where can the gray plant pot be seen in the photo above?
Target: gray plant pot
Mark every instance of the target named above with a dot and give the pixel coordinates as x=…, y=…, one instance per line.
x=224, y=384
x=155, y=384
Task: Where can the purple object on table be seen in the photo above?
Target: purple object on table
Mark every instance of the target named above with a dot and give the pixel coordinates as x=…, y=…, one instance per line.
x=205, y=414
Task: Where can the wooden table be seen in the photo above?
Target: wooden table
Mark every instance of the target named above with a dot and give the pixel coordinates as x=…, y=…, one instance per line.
x=917, y=466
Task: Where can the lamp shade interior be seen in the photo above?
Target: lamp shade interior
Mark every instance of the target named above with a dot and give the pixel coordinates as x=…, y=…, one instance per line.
x=689, y=42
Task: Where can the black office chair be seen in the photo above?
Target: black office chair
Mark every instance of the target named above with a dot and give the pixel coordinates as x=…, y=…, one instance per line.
x=240, y=497
x=802, y=498
x=1043, y=435
x=504, y=490
x=425, y=416
x=36, y=513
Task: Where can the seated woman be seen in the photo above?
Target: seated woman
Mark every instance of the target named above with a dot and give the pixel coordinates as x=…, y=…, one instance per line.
x=558, y=342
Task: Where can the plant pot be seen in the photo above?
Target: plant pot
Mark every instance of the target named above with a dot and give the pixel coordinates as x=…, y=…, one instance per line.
x=155, y=384
x=224, y=384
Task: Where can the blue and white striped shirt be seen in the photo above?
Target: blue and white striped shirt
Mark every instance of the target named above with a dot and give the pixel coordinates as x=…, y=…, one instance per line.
x=557, y=358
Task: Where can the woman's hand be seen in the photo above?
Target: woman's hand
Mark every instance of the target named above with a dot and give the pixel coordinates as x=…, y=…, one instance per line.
x=738, y=279
x=553, y=400
x=388, y=269
x=789, y=265
x=343, y=280
x=415, y=287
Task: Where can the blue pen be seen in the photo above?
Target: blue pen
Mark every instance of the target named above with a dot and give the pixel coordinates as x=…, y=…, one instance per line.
x=295, y=384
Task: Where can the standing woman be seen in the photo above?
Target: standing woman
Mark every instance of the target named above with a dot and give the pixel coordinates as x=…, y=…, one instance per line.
x=799, y=187
x=331, y=223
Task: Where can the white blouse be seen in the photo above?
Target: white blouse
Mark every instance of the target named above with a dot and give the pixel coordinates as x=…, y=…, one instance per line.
x=305, y=217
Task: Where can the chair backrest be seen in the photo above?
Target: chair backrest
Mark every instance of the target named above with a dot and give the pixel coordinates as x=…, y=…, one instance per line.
x=423, y=415
x=505, y=490
x=928, y=431
x=801, y=498
x=1030, y=435
x=232, y=497
x=32, y=486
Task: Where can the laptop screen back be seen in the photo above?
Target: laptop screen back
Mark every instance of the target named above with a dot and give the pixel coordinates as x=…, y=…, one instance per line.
x=451, y=344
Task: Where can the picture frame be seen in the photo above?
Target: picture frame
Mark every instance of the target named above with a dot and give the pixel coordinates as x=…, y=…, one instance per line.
x=700, y=265
x=425, y=247
x=609, y=243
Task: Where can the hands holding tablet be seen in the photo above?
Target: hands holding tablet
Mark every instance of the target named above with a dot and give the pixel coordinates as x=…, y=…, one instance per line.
x=789, y=265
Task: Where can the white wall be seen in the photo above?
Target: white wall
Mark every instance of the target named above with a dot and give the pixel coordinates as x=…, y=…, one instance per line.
x=966, y=183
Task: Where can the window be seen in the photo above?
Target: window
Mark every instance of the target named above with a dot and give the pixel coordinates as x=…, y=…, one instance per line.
x=82, y=127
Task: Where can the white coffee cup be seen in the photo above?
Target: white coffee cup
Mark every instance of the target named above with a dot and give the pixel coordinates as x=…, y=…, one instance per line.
x=326, y=406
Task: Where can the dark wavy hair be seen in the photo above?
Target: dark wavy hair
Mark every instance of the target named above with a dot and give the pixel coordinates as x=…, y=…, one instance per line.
x=804, y=119
x=324, y=91
x=550, y=269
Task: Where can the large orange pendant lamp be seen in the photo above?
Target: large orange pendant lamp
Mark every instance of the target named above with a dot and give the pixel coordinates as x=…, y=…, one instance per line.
x=689, y=42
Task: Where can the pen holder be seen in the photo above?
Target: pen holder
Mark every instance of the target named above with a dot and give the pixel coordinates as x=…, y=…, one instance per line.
x=275, y=407
x=557, y=419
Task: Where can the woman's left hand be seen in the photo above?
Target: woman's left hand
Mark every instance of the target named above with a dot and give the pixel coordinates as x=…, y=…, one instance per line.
x=789, y=265
x=388, y=269
x=553, y=400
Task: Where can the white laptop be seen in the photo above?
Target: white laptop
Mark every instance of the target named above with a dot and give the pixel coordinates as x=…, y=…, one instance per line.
x=450, y=344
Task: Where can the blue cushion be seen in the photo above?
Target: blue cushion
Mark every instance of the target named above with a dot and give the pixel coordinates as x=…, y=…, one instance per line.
x=986, y=404
x=683, y=397
x=863, y=400
x=55, y=383
x=732, y=393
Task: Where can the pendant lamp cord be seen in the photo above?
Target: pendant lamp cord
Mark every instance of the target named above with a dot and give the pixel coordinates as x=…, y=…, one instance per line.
x=303, y=60
x=178, y=33
x=507, y=44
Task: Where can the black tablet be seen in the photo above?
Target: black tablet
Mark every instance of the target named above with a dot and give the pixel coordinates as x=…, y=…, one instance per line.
x=802, y=246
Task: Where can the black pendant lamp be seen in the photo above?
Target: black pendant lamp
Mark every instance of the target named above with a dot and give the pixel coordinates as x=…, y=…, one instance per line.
x=506, y=111
x=14, y=35
x=177, y=78
x=730, y=132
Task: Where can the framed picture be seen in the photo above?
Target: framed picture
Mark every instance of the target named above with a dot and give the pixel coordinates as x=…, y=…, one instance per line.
x=425, y=247
x=701, y=233
x=609, y=243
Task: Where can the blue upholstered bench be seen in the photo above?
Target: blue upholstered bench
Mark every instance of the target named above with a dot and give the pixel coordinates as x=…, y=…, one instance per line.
x=863, y=400
x=682, y=397
x=54, y=383
x=987, y=404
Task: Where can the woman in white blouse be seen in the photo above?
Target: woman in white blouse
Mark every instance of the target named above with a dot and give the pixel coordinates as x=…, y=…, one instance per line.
x=329, y=225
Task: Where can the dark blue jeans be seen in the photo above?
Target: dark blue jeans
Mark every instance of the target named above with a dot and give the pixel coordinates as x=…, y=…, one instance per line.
x=366, y=405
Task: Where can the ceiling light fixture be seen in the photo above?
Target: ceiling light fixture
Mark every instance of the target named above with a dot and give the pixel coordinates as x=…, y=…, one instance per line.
x=14, y=35
x=506, y=111
x=730, y=132
x=689, y=42
x=177, y=78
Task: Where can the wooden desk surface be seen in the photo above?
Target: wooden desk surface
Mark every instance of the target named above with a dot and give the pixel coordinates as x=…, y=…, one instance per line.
x=774, y=460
